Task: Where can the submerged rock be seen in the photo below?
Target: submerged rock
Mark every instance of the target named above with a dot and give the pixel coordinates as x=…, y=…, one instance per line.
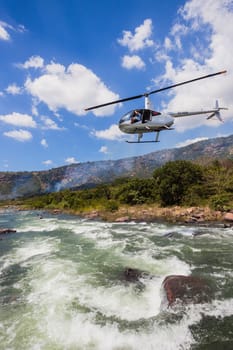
x=6, y=230
x=133, y=275
x=187, y=289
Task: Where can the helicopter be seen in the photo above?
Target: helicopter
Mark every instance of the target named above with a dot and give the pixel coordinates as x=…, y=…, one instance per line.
x=146, y=120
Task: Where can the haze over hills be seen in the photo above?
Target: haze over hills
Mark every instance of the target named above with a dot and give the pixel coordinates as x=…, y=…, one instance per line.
x=20, y=184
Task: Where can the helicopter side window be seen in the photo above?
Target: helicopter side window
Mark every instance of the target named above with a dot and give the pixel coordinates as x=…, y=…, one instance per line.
x=155, y=113
x=146, y=115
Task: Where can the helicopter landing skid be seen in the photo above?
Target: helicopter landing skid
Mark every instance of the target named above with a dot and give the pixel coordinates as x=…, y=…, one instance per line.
x=142, y=141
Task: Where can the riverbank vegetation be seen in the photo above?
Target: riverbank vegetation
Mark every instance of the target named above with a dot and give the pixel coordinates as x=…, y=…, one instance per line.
x=177, y=183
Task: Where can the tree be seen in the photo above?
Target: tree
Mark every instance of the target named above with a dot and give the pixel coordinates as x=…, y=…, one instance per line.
x=174, y=180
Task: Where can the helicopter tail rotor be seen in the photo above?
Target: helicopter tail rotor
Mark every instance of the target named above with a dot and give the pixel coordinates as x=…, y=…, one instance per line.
x=216, y=113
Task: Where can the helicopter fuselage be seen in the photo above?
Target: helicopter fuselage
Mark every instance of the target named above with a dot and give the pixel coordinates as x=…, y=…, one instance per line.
x=142, y=121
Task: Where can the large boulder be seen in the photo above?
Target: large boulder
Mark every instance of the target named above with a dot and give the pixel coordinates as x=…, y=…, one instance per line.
x=186, y=289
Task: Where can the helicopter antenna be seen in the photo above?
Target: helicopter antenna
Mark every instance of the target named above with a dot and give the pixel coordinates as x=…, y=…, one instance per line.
x=147, y=94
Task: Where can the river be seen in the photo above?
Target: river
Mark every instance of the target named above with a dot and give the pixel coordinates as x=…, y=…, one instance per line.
x=62, y=284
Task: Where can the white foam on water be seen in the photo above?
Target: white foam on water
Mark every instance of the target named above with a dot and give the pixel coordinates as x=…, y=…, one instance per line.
x=68, y=308
x=22, y=254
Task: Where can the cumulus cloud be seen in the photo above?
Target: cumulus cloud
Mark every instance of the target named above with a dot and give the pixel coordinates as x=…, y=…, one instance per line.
x=112, y=133
x=18, y=119
x=104, y=149
x=202, y=24
x=72, y=88
x=13, y=89
x=44, y=143
x=49, y=124
x=47, y=162
x=19, y=135
x=130, y=62
x=70, y=160
x=140, y=39
x=33, y=62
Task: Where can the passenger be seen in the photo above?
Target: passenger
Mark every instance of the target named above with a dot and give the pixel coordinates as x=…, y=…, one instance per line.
x=136, y=117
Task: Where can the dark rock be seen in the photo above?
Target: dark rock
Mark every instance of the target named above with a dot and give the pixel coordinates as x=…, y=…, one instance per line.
x=187, y=289
x=6, y=230
x=170, y=234
x=133, y=275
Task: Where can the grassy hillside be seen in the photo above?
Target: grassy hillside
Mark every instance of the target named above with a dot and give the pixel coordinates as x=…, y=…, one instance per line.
x=182, y=183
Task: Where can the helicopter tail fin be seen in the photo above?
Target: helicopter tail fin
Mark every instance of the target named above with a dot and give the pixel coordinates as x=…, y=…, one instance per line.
x=216, y=112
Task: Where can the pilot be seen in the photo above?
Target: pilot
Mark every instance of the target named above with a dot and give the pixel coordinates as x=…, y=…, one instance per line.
x=136, y=116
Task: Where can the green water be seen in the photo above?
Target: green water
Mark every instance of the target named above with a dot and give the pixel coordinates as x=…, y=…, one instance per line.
x=62, y=285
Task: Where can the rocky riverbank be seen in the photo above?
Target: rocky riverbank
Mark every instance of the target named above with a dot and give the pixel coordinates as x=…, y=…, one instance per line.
x=154, y=213
x=150, y=213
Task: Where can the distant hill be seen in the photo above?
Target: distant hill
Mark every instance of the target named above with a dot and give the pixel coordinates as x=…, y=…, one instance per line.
x=20, y=184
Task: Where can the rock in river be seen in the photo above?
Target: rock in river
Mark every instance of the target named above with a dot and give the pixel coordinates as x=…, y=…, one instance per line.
x=187, y=289
x=6, y=230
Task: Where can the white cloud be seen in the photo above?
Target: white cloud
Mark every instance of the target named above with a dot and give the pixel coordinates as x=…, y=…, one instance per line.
x=47, y=162
x=209, y=25
x=134, y=61
x=49, y=124
x=178, y=30
x=55, y=68
x=19, y=135
x=18, y=119
x=34, y=110
x=104, y=149
x=73, y=88
x=13, y=89
x=5, y=28
x=4, y=35
x=112, y=133
x=71, y=160
x=190, y=141
x=44, y=143
x=33, y=62
x=140, y=39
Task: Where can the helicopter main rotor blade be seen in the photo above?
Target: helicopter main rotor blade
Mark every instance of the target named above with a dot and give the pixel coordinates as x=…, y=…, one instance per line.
x=113, y=102
x=154, y=91
x=186, y=82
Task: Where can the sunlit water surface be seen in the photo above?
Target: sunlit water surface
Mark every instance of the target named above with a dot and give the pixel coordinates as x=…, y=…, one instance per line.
x=62, y=285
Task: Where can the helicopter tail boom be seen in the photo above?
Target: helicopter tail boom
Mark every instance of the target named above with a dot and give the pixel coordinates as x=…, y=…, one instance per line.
x=213, y=112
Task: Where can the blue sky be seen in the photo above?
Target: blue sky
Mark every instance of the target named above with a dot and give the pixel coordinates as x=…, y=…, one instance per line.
x=61, y=56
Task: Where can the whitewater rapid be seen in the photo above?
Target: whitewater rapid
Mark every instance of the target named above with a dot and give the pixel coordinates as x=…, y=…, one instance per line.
x=62, y=285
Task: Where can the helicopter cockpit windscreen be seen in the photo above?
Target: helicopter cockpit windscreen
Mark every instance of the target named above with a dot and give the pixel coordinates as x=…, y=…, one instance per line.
x=131, y=117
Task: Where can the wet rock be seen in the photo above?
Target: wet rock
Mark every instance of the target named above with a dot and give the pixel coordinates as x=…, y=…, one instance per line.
x=170, y=234
x=228, y=217
x=133, y=275
x=187, y=289
x=123, y=219
x=6, y=230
